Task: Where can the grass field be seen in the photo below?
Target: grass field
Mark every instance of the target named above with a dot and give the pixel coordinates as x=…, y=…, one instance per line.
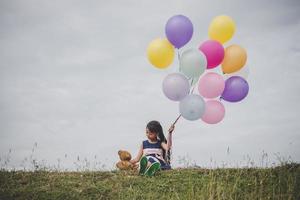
x=282, y=182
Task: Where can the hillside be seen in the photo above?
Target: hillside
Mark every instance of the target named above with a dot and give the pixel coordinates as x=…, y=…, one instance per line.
x=248, y=183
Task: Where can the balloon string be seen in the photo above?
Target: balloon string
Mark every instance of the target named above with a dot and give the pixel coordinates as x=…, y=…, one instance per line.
x=178, y=55
x=193, y=89
x=177, y=119
x=192, y=82
x=191, y=92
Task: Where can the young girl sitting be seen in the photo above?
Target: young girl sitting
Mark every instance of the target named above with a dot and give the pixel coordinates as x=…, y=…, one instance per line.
x=154, y=153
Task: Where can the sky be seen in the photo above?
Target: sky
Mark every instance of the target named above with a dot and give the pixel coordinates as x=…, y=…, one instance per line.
x=76, y=85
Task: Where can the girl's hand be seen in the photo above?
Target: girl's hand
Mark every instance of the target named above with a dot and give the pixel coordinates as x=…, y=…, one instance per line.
x=135, y=166
x=132, y=161
x=171, y=129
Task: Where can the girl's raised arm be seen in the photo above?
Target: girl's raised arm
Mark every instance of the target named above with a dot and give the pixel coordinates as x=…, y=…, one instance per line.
x=138, y=156
x=169, y=139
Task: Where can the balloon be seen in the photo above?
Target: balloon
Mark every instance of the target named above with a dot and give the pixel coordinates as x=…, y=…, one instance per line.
x=214, y=112
x=234, y=59
x=179, y=30
x=176, y=86
x=244, y=73
x=213, y=51
x=160, y=53
x=211, y=85
x=221, y=28
x=192, y=107
x=192, y=63
x=236, y=89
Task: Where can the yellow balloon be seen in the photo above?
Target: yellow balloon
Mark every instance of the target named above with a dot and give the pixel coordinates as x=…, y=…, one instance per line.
x=234, y=59
x=160, y=53
x=221, y=28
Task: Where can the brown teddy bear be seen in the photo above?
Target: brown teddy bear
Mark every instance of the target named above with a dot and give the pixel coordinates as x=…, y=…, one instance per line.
x=124, y=163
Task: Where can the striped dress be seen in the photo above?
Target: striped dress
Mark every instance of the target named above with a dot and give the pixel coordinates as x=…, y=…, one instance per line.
x=154, y=153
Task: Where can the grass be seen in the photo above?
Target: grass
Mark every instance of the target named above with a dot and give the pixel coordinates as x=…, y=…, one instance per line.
x=281, y=182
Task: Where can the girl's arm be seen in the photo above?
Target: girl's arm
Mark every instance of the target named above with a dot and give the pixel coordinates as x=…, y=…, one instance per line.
x=169, y=139
x=139, y=155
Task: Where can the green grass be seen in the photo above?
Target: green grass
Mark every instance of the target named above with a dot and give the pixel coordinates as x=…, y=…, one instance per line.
x=281, y=182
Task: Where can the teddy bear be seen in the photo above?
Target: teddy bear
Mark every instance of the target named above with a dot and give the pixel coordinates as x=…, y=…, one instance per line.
x=124, y=163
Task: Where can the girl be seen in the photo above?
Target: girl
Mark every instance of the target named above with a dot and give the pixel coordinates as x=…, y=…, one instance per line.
x=154, y=153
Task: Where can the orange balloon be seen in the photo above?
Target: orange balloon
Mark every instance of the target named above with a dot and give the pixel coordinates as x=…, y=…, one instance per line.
x=235, y=58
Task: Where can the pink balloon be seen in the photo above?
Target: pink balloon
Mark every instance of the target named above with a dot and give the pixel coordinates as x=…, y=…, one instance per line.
x=211, y=85
x=214, y=112
x=214, y=52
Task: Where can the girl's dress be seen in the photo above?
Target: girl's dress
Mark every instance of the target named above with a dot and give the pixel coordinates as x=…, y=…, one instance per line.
x=154, y=153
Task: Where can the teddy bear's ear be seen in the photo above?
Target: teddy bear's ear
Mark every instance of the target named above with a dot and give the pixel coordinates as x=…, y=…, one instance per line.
x=119, y=152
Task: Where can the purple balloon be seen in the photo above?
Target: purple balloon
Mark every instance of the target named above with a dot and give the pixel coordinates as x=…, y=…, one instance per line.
x=176, y=86
x=236, y=89
x=179, y=30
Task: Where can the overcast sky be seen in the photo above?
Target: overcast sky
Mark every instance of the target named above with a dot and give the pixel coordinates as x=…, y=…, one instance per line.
x=75, y=79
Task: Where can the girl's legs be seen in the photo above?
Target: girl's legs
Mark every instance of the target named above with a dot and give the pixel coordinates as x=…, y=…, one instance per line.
x=143, y=165
x=148, y=164
x=153, y=166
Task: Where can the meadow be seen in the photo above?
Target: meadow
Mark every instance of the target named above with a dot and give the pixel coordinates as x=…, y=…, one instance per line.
x=280, y=182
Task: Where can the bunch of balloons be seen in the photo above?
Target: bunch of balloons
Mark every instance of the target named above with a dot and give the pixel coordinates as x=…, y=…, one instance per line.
x=195, y=65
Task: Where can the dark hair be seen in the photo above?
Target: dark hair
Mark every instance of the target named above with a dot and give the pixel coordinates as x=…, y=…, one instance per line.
x=155, y=127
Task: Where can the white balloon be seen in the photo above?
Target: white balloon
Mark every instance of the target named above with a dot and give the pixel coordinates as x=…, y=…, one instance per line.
x=176, y=86
x=192, y=107
x=192, y=63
